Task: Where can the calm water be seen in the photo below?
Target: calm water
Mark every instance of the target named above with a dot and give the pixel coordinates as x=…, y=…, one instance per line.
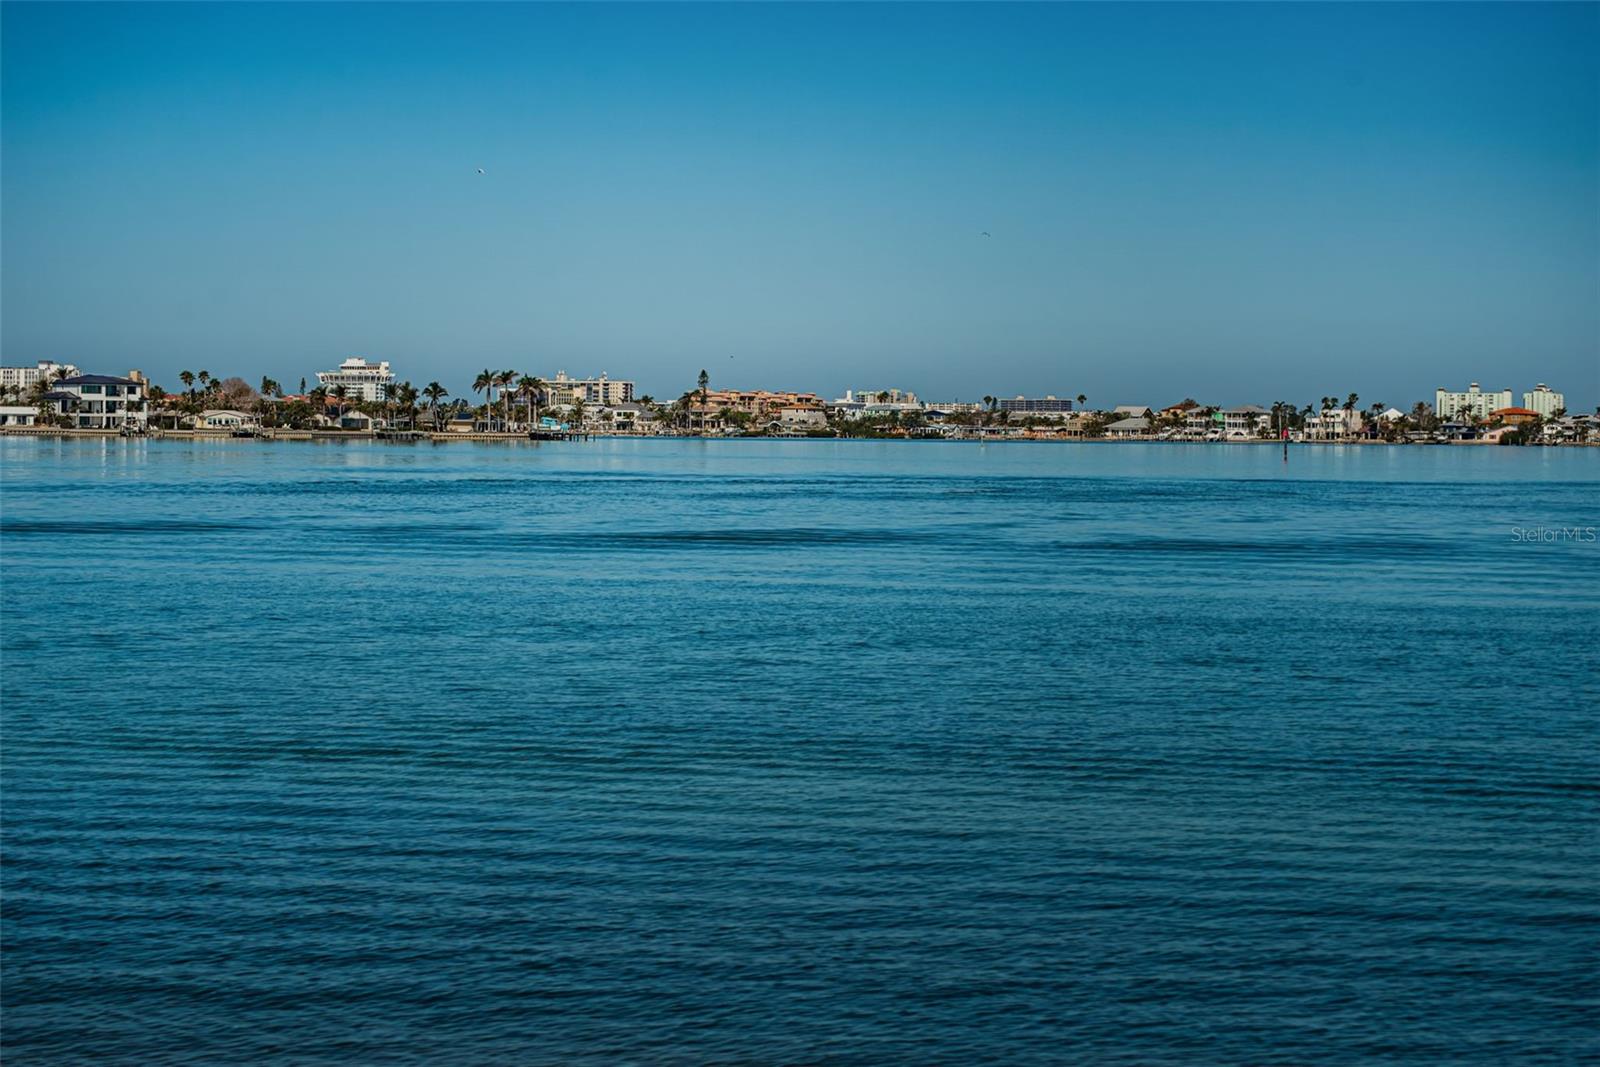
x=780, y=752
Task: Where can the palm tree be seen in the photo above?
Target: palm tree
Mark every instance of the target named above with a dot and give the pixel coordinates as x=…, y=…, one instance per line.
x=1082, y=400
x=340, y=394
x=682, y=407
x=527, y=387
x=540, y=392
x=503, y=380
x=405, y=396
x=187, y=378
x=435, y=393
x=484, y=383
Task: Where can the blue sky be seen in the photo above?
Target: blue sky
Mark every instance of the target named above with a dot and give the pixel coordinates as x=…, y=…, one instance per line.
x=1235, y=203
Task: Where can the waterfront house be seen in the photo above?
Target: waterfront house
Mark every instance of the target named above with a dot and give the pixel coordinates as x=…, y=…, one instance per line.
x=225, y=419
x=100, y=401
x=629, y=418
x=1132, y=411
x=18, y=414
x=1334, y=424
x=1244, y=422
x=1129, y=428
x=802, y=417
x=1200, y=423
x=1513, y=416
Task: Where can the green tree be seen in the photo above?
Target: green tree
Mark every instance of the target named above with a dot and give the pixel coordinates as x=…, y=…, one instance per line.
x=504, y=380
x=434, y=392
x=484, y=383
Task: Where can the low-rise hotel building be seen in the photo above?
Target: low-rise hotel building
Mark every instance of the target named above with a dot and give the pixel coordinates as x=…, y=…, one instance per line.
x=1544, y=400
x=1049, y=406
x=362, y=380
x=1474, y=402
x=45, y=370
x=608, y=392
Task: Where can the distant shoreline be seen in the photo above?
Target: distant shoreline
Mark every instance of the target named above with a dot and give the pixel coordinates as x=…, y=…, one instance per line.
x=275, y=437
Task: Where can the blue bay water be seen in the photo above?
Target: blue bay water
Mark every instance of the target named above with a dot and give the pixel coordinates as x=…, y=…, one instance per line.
x=782, y=752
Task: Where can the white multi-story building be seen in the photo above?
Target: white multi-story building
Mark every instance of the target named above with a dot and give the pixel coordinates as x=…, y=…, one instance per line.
x=1544, y=400
x=25, y=377
x=1474, y=402
x=361, y=379
x=100, y=401
x=876, y=402
x=1245, y=421
x=1334, y=424
x=604, y=390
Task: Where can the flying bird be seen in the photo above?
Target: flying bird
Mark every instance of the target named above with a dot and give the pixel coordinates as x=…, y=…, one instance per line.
x=480, y=170
x=985, y=233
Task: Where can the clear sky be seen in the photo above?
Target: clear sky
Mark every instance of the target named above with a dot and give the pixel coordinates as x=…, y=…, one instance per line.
x=1235, y=203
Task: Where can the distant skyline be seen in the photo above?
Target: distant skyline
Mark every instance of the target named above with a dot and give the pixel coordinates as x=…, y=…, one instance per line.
x=1139, y=202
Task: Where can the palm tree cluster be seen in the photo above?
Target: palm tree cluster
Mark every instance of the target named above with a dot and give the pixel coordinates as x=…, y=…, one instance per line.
x=529, y=389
